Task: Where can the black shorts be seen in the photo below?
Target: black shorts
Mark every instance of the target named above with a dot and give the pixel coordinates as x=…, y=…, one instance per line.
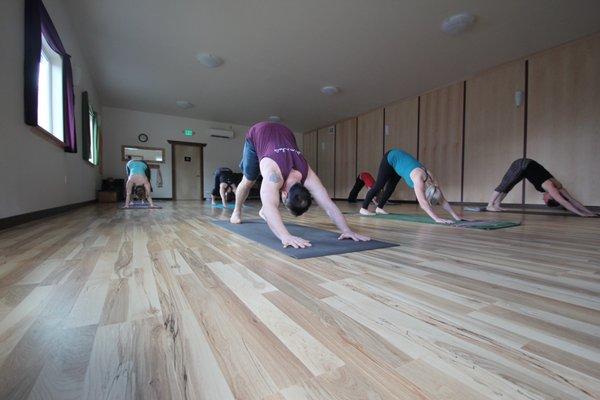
x=524, y=168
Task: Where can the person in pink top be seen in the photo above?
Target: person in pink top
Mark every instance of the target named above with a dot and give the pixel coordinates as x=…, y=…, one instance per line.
x=270, y=150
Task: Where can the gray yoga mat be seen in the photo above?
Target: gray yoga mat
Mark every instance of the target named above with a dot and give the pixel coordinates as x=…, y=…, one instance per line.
x=139, y=206
x=523, y=211
x=324, y=243
x=425, y=219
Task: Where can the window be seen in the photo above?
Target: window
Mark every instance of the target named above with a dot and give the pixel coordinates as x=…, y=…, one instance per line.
x=94, y=139
x=50, y=92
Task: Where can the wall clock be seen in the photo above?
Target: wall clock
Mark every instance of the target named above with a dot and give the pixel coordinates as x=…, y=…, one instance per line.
x=142, y=137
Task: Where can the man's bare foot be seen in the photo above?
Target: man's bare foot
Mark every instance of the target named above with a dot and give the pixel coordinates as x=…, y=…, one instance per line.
x=364, y=211
x=380, y=211
x=224, y=205
x=494, y=208
x=260, y=214
x=236, y=217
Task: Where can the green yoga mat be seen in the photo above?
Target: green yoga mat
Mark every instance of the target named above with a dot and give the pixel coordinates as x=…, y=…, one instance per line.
x=424, y=219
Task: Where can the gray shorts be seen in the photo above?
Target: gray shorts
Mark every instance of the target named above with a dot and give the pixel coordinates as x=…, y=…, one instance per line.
x=250, y=164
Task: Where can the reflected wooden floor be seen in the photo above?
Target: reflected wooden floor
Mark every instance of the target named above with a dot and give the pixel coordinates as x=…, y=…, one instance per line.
x=101, y=303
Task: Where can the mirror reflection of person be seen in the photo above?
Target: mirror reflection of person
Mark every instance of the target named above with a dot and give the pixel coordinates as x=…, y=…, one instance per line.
x=224, y=185
x=138, y=182
x=398, y=164
x=554, y=193
x=271, y=150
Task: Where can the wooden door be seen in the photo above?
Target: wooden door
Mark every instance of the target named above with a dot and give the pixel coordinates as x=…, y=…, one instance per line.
x=345, y=157
x=309, y=146
x=369, y=142
x=402, y=131
x=494, y=131
x=326, y=158
x=440, y=137
x=187, y=172
x=563, y=126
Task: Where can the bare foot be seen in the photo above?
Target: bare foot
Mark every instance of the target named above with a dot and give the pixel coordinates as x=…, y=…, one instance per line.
x=494, y=208
x=380, y=211
x=364, y=211
x=224, y=205
x=236, y=217
x=260, y=214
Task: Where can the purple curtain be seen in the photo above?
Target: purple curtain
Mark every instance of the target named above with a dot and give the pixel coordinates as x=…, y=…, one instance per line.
x=38, y=22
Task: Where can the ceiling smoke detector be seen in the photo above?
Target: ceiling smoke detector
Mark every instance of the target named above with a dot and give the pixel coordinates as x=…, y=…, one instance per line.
x=458, y=23
x=330, y=90
x=209, y=60
x=184, y=104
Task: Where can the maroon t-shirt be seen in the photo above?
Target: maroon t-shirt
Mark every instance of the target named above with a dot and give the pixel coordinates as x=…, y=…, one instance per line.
x=277, y=142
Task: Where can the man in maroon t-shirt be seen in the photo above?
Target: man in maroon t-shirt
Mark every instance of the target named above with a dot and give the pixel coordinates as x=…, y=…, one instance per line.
x=271, y=150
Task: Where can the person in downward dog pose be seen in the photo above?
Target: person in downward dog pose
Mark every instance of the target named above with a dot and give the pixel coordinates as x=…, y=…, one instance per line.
x=363, y=179
x=398, y=164
x=270, y=149
x=554, y=193
x=224, y=185
x=138, y=181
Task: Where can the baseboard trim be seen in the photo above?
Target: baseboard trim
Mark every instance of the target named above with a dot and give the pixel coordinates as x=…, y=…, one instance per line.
x=15, y=220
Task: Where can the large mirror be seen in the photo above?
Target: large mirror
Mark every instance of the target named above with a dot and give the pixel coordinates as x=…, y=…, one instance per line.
x=148, y=154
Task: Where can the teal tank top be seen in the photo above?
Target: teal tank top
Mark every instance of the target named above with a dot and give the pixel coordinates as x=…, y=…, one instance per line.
x=136, y=168
x=403, y=163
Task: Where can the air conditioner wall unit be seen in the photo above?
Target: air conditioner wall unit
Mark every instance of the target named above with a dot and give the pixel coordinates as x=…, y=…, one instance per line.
x=221, y=133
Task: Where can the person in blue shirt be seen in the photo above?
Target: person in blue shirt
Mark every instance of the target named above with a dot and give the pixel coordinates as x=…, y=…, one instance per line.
x=398, y=164
x=138, y=181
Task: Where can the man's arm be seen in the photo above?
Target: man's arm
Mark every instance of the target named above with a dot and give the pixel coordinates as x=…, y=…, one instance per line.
x=555, y=193
x=319, y=193
x=576, y=203
x=269, y=196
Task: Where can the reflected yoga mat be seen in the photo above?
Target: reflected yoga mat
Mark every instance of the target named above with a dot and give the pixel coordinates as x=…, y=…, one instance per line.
x=424, y=219
x=324, y=243
x=138, y=206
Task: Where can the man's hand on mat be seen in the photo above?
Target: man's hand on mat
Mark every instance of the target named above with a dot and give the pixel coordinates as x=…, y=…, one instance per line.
x=295, y=241
x=444, y=221
x=354, y=236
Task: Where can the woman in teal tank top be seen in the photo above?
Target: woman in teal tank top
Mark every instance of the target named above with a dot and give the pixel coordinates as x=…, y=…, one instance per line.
x=398, y=164
x=138, y=181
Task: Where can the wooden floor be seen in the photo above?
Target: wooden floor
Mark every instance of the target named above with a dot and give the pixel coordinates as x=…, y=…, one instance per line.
x=102, y=303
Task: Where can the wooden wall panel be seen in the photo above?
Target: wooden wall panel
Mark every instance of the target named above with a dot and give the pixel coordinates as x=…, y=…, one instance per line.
x=345, y=157
x=494, y=131
x=309, y=149
x=326, y=157
x=564, y=117
x=440, y=137
x=401, y=131
x=369, y=141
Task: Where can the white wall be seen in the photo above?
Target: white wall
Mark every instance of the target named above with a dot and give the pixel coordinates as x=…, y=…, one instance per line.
x=122, y=127
x=34, y=173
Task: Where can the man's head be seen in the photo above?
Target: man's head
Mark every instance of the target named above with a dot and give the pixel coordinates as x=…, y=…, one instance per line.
x=140, y=192
x=433, y=194
x=297, y=199
x=549, y=201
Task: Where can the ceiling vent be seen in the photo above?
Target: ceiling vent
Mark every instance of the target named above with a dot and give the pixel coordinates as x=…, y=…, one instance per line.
x=221, y=133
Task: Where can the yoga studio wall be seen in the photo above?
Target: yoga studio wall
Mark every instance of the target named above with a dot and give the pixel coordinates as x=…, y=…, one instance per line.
x=470, y=131
x=35, y=171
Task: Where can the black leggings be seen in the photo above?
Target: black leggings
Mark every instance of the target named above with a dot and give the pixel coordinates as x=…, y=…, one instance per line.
x=386, y=176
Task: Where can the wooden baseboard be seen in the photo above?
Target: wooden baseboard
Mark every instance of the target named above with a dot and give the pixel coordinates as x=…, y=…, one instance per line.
x=14, y=220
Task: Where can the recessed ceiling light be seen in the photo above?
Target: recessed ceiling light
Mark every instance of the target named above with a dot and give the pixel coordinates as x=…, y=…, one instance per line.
x=458, y=23
x=209, y=60
x=184, y=104
x=329, y=90
x=274, y=118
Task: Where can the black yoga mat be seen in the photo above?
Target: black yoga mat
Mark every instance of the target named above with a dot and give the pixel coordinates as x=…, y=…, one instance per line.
x=324, y=243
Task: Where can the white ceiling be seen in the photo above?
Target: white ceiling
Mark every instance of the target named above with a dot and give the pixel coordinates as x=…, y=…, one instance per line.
x=278, y=53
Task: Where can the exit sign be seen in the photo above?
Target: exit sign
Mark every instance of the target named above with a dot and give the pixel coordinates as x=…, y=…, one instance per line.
x=188, y=132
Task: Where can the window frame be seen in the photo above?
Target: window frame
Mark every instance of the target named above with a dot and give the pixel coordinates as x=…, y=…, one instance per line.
x=55, y=96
